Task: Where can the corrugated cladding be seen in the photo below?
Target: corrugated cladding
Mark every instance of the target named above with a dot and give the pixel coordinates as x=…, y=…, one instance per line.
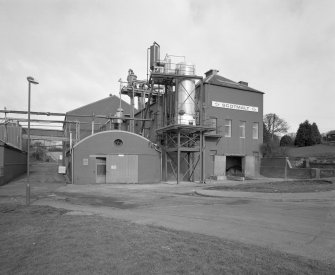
x=11, y=134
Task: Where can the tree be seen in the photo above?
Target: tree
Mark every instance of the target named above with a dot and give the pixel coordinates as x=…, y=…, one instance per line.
x=275, y=125
x=266, y=134
x=286, y=141
x=307, y=134
x=316, y=136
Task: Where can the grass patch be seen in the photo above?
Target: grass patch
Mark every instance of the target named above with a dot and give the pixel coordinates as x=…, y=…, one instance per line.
x=319, y=150
x=298, y=186
x=44, y=240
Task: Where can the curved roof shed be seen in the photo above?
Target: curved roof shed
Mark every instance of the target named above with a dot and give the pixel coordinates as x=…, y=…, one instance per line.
x=116, y=157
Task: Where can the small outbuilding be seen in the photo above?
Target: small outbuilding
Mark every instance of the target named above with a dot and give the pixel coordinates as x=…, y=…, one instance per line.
x=115, y=157
x=13, y=162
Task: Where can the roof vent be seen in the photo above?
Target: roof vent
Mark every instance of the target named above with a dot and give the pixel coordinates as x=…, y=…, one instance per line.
x=211, y=72
x=243, y=83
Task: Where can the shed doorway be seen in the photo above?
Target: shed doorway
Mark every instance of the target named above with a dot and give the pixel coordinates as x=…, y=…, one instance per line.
x=101, y=170
x=234, y=166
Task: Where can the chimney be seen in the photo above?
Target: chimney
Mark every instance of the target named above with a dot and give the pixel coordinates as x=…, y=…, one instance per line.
x=243, y=83
x=211, y=72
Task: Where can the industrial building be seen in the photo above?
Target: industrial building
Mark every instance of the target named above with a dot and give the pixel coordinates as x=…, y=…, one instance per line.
x=185, y=128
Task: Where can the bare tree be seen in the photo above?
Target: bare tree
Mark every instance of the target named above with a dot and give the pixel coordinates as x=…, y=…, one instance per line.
x=275, y=125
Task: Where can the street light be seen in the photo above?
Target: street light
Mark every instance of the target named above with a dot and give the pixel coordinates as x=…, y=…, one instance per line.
x=31, y=80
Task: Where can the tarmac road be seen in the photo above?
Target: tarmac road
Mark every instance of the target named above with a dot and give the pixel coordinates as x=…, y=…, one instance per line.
x=302, y=224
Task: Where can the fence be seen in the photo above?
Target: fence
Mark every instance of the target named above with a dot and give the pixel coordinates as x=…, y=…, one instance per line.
x=283, y=167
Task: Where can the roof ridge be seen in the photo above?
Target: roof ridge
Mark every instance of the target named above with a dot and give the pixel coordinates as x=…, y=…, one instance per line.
x=94, y=102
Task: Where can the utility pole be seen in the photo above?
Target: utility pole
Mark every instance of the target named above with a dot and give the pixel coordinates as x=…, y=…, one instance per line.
x=33, y=81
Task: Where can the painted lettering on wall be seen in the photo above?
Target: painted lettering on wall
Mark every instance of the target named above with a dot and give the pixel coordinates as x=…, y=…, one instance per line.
x=234, y=106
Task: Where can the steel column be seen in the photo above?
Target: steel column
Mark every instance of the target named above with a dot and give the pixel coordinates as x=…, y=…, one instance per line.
x=131, y=123
x=201, y=159
x=178, y=157
x=28, y=150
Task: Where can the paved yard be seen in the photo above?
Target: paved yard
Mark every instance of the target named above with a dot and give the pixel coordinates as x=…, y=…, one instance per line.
x=302, y=224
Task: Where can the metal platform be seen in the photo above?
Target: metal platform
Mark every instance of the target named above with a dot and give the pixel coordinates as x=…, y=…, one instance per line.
x=169, y=79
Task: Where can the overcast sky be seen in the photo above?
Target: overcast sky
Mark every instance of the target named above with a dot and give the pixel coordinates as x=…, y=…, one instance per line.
x=78, y=50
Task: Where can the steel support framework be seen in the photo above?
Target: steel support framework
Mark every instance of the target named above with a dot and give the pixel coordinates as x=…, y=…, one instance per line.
x=186, y=141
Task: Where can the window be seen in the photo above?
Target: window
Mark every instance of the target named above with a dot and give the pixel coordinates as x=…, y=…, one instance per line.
x=255, y=130
x=242, y=129
x=213, y=124
x=227, y=128
x=118, y=142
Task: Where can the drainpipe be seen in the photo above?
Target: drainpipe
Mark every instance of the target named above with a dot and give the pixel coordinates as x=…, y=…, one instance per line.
x=72, y=159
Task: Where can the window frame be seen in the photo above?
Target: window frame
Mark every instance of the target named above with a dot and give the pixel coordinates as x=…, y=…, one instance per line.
x=215, y=125
x=228, y=126
x=242, y=128
x=255, y=130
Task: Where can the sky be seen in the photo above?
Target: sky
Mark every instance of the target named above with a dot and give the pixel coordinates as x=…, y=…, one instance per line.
x=79, y=49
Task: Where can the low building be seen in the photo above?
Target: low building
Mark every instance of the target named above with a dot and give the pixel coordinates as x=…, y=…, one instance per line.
x=331, y=136
x=13, y=162
x=115, y=157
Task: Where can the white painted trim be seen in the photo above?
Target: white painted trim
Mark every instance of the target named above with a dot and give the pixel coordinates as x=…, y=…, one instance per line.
x=106, y=132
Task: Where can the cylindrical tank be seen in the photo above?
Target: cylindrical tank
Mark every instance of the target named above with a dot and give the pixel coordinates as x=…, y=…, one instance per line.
x=168, y=67
x=154, y=55
x=119, y=113
x=186, y=95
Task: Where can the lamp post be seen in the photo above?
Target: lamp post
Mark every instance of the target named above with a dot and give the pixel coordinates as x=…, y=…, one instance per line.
x=31, y=80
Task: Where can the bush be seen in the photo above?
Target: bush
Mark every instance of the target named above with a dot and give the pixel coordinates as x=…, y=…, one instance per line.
x=286, y=141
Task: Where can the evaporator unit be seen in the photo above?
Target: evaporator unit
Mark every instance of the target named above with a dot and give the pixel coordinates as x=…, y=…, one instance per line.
x=185, y=97
x=183, y=88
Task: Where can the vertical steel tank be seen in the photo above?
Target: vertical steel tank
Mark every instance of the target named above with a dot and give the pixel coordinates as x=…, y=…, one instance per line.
x=185, y=95
x=154, y=55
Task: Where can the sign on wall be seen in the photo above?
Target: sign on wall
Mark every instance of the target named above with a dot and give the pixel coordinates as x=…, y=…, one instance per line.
x=234, y=106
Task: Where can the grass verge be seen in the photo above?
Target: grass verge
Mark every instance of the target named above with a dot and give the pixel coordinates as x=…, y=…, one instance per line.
x=44, y=240
x=298, y=186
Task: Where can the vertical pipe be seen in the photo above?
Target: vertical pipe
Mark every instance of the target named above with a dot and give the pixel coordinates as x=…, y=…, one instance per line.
x=178, y=156
x=159, y=108
x=71, y=140
x=92, y=123
x=202, y=95
x=286, y=168
x=201, y=159
x=189, y=166
x=165, y=158
x=72, y=165
x=147, y=65
x=131, y=122
x=28, y=151
x=164, y=106
x=161, y=165
x=176, y=103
